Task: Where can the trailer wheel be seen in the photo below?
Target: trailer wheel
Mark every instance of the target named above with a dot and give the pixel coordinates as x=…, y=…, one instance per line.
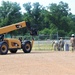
x=3, y=48
x=13, y=50
x=27, y=47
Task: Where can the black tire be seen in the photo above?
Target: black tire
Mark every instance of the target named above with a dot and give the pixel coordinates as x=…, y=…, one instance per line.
x=27, y=47
x=13, y=50
x=3, y=48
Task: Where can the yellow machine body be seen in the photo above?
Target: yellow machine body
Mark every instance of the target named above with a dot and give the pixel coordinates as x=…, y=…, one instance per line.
x=13, y=43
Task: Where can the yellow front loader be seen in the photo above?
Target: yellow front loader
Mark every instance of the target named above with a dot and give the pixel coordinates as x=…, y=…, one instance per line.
x=12, y=44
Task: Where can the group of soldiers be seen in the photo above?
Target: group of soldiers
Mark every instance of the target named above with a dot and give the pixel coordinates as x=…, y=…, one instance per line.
x=58, y=45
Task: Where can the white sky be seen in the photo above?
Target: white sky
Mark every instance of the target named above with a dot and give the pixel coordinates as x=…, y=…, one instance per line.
x=71, y=3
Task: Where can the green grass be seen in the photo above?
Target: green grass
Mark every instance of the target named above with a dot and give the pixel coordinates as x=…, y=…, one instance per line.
x=42, y=47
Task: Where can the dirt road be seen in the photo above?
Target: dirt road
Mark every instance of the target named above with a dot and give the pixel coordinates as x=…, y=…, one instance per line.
x=38, y=63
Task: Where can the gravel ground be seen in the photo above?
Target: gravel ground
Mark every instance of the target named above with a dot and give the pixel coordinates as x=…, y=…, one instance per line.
x=38, y=63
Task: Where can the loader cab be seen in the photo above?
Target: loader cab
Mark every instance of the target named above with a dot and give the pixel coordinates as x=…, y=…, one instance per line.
x=1, y=37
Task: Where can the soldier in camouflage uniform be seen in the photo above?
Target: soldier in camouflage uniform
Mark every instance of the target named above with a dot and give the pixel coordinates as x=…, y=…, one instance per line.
x=72, y=40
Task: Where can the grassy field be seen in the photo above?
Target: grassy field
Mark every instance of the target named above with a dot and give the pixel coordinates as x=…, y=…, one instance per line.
x=44, y=45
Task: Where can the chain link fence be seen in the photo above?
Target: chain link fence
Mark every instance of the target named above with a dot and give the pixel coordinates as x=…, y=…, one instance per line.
x=44, y=42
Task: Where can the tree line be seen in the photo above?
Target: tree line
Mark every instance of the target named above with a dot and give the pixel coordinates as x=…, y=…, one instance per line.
x=46, y=19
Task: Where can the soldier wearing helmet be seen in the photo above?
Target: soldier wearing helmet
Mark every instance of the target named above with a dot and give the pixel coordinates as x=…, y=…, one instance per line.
x=72, y=40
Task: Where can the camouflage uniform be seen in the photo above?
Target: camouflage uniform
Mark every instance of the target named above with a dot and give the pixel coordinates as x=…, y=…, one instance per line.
x=61, y=44
x=72, y=40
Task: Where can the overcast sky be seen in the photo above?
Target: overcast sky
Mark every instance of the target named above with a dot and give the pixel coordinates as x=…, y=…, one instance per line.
x=71, y=3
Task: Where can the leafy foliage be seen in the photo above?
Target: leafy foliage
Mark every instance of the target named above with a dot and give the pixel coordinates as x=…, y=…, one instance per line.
x=48, y=20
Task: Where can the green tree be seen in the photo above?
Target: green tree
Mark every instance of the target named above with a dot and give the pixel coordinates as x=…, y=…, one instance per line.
x=33, y=14
x=28, y=14
x=59, y=16
x=10, y=13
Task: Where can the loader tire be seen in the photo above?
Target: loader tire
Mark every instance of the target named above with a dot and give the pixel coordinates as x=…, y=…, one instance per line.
x=3, y=48
x=27, y=47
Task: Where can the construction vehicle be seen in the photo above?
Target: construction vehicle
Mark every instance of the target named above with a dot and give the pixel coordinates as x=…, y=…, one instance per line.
x=13, y=44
